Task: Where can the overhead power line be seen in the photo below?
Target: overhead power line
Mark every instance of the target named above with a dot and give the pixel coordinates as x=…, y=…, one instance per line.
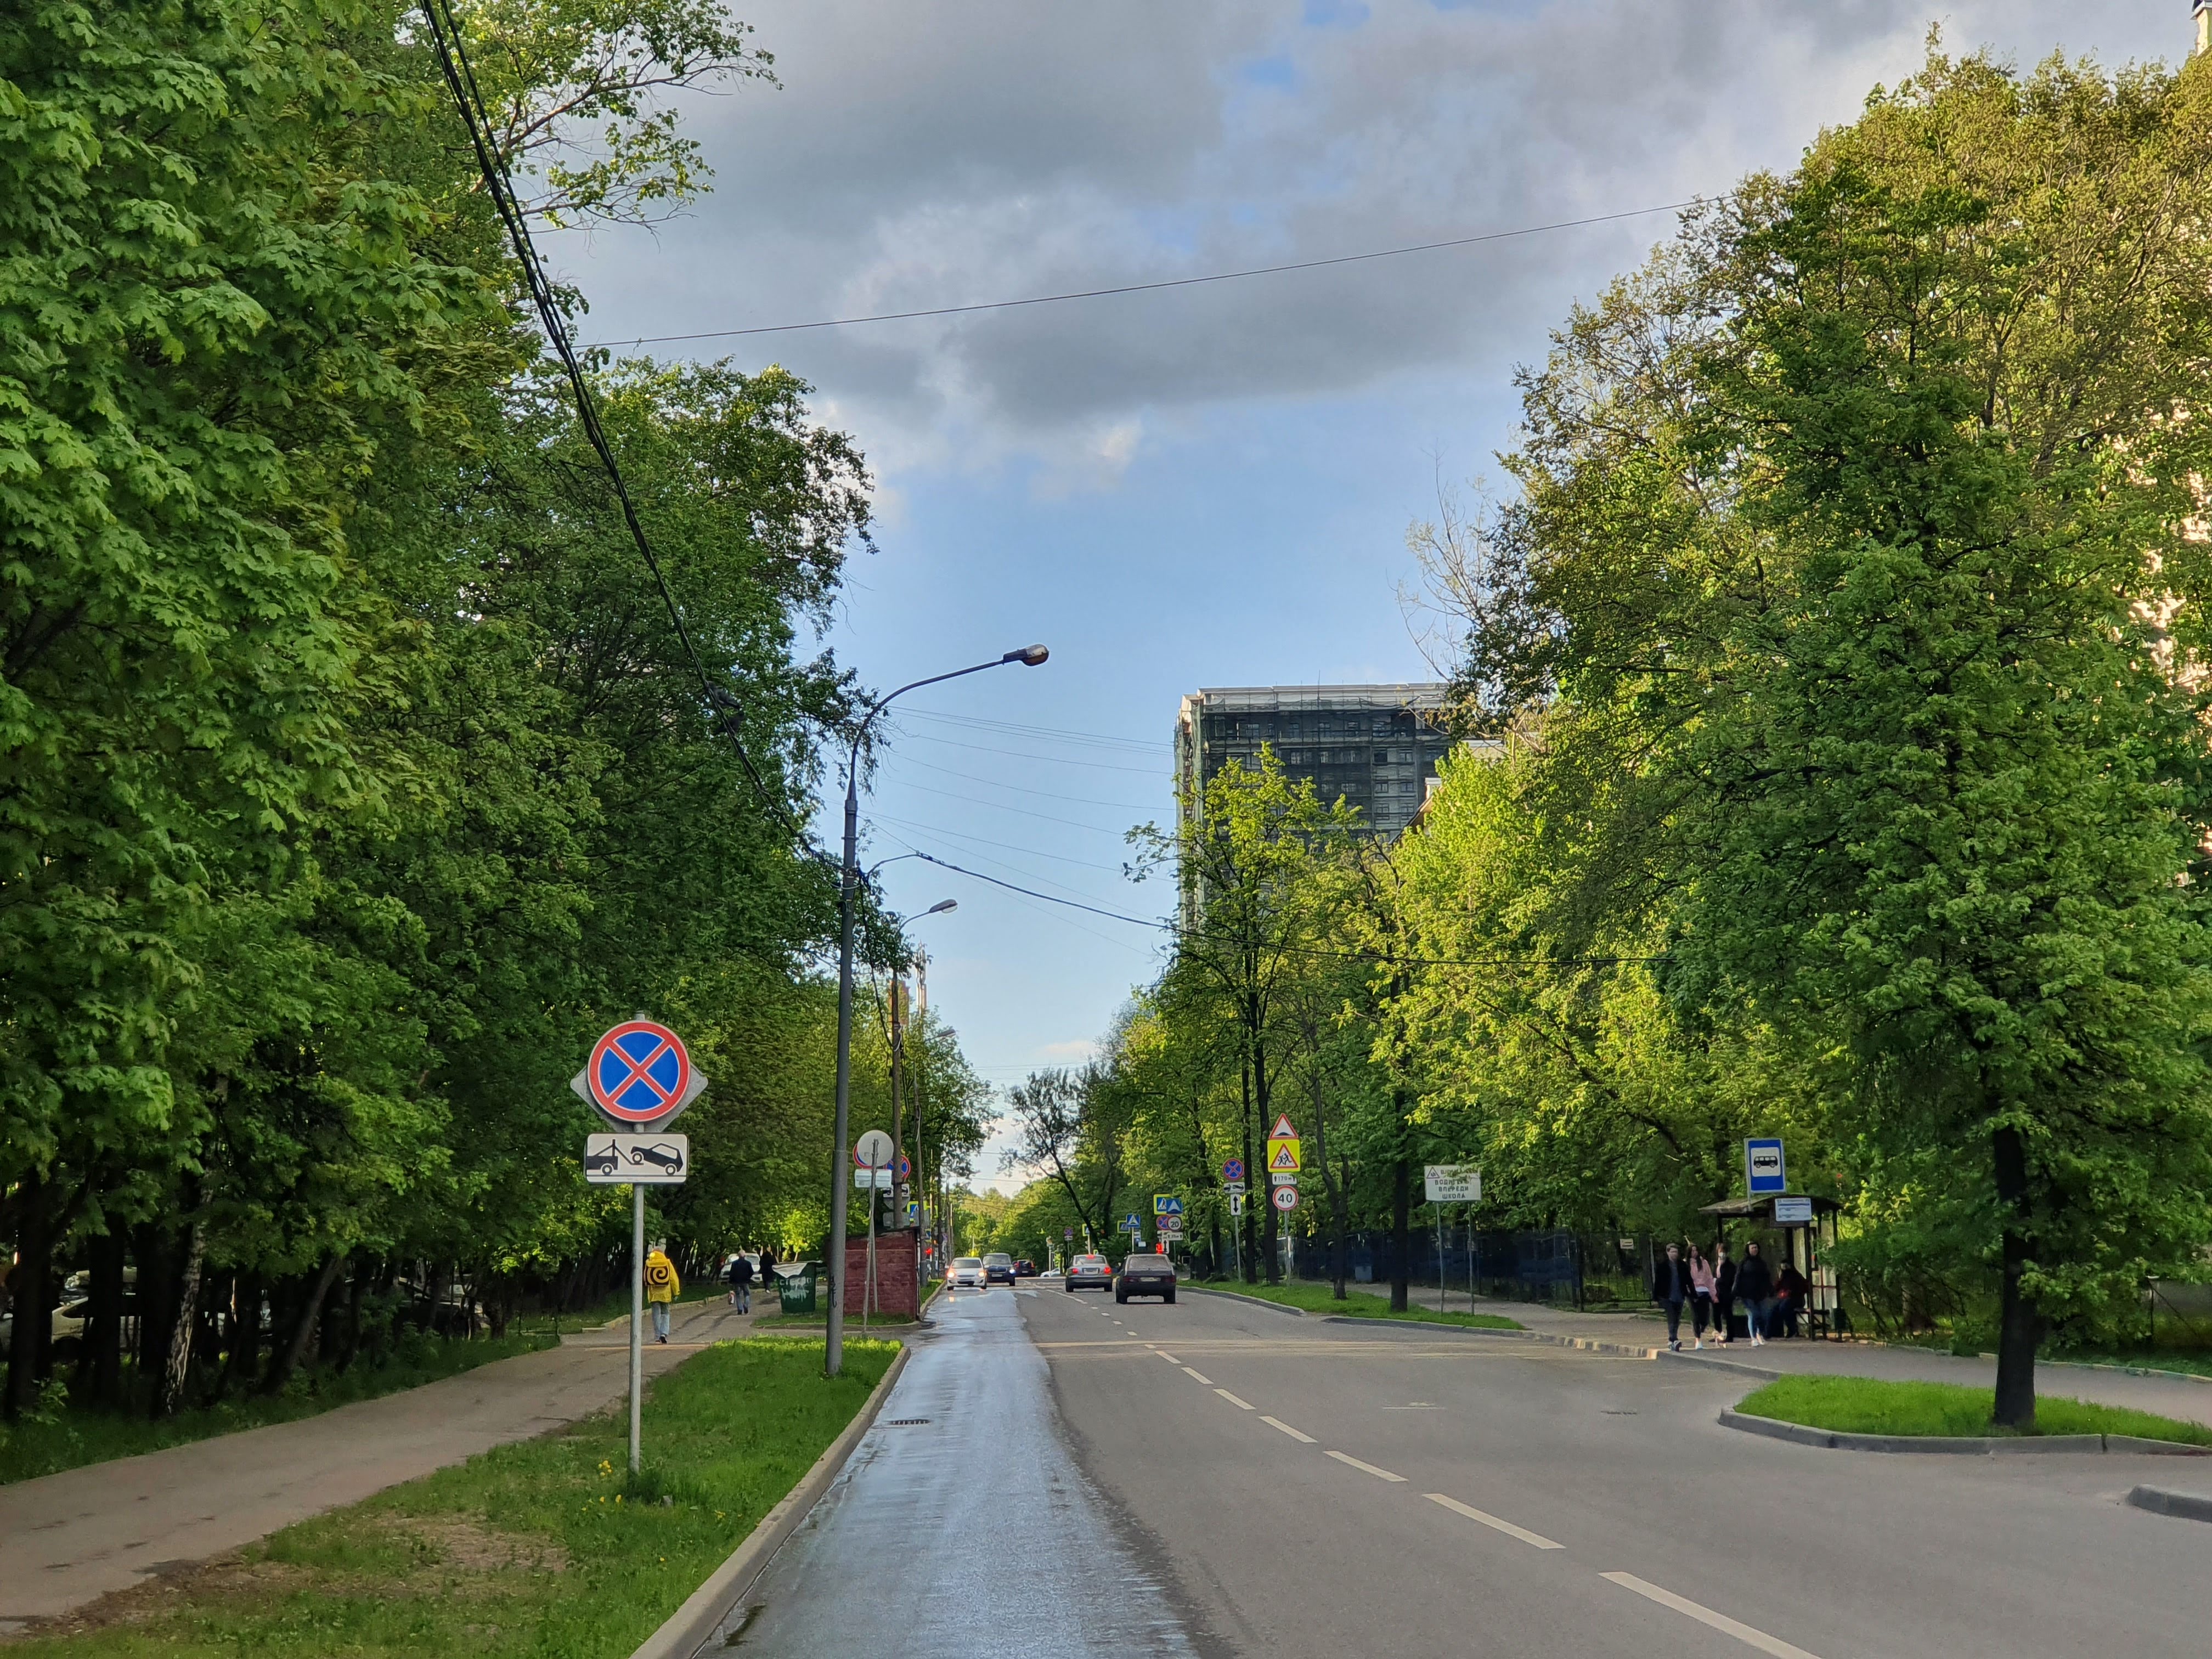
x=1385, y=957
x=1150, y=288
x=461, y=82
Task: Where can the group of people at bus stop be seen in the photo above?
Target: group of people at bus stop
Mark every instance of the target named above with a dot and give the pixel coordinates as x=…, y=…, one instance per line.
x=1711, y=1290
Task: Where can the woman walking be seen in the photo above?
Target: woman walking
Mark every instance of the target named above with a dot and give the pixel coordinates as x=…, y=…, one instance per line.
x=1724, y=1273
x=1701, y=1296
x=1754, y=1283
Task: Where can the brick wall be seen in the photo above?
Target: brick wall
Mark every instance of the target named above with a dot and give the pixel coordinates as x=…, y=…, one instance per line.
x=898, y=1283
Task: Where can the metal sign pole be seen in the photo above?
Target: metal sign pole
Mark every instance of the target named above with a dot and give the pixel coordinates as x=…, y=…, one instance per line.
x=636, y=1313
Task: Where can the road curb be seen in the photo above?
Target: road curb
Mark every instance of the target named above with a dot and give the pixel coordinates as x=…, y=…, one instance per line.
x=2182, y=1505
x=1249, y=1301
x=692, y=1624
x=1961, y=1445
x=1417, y=1325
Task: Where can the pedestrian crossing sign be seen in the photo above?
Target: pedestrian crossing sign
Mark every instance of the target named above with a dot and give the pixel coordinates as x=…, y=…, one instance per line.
x=1166, y=1204
x=1283, y=1157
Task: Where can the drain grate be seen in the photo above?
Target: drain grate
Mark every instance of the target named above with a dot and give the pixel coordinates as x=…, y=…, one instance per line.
x=905, y=1422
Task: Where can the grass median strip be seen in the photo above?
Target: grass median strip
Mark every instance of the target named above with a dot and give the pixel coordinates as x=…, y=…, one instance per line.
x=544, y=1548
x=1321, y=1300
x=1860, y=1405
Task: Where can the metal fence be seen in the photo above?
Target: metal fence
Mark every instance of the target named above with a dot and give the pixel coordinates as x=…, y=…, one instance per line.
x=1553, y=1264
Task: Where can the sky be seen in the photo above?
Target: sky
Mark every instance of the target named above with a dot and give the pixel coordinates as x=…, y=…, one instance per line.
x=1212, y=484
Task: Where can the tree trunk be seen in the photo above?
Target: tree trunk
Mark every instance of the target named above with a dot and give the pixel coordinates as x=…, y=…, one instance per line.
x=101, y=1368
x=242, y=1333
x=1401, y=1235
x=156, y=1288
x=1252, y=1186
x=177, y=1364
x=1329, y=1187
x=1262, y=1098
x=29, y=1300
x=2021, y=1321
x=286, y=1360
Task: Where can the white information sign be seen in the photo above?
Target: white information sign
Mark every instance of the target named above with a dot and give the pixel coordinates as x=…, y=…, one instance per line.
x=1452, y=1183
x=1793, y=1211
x=617, y=1160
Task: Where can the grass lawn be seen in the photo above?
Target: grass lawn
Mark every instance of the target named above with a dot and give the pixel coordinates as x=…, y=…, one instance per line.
x=1320, y=1299
x=80, y=1435
x=542, y=1548
x=1858, y=1405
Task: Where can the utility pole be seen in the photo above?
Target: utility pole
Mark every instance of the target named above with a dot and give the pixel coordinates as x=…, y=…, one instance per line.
x=898, y=1098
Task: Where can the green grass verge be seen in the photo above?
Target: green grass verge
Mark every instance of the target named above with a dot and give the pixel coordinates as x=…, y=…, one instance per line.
x=1859, y=1405
x=75, y=1436
x=1320, y=1299
x=543, y=1548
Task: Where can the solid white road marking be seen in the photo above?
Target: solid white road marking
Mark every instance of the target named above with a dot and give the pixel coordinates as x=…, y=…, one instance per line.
x=1380, y=1474
x=1195, y=1378
x=1278, y=1423
x=1505, y=1527
x=1719, y=1621
x=1241, y=1404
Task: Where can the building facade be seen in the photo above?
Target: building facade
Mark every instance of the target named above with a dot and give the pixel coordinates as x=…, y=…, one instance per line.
x=1375, y=746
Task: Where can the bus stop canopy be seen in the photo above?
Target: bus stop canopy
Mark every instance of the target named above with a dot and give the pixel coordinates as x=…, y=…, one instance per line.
x=1762, y=1208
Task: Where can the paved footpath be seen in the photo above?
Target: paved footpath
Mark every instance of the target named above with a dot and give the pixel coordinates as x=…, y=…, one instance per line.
x=2181, y=1397
x=67, y=1539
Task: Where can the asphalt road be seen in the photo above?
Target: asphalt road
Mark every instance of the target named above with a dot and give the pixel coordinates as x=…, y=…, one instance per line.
x=1329, y=1490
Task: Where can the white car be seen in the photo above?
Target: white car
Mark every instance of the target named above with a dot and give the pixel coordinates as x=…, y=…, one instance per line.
x=967, y=1273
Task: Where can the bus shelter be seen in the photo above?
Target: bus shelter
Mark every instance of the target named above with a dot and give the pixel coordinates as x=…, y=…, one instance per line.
x=1805, y=1230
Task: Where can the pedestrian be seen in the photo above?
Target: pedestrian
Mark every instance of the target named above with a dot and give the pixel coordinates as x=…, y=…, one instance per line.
x=1790, y=1287
x=661, y=1286
x=1724, y=1272
x=1671, y=1288
x=741, y=1283
x=1701, y=1294
x=1755, y=1285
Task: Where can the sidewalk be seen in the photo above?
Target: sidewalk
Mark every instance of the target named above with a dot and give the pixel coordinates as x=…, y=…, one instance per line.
x=2189, y=1400
x=67, y=1539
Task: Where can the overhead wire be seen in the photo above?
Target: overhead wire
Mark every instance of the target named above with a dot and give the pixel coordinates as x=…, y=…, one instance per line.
x=1153, y=287
x=460, y=81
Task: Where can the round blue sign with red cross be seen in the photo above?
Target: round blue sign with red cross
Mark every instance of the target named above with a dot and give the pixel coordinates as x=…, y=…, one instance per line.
x=638, y=1072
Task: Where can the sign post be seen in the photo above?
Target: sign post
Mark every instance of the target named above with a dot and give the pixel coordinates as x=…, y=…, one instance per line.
x=639, y=1077
x=872, y=1153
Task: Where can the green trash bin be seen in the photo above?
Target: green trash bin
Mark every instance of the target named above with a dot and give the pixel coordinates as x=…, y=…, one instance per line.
x=794, y=1286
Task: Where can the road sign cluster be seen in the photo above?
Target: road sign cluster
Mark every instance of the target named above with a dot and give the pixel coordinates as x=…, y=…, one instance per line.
x=1283, y=1162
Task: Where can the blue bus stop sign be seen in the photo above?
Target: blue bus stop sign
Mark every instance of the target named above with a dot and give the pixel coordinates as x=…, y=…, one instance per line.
x=1763, y=1169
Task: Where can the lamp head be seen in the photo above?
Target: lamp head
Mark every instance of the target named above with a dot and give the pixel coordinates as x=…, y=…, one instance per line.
x=941, y=907
x=1029, y=656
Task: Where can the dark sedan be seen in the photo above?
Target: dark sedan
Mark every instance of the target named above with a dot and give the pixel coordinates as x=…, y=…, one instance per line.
x=1145, y=1274
x=998, y=1268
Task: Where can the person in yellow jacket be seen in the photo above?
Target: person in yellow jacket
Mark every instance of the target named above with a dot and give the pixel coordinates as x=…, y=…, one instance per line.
x=661, y=1286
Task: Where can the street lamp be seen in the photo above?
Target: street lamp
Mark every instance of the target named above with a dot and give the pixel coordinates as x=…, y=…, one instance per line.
x=833, y=1354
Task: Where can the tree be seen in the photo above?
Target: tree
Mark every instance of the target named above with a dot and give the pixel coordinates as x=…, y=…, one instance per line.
x=1851, y=564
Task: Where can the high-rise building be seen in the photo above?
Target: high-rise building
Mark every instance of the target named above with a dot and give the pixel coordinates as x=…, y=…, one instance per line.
x=1376, y=746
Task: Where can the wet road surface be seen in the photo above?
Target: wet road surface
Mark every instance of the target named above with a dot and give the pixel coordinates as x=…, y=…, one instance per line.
x=971, y=1530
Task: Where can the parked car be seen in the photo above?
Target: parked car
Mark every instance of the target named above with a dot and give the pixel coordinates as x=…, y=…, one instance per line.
x=967, y=1273
x=1024, y=1268
x=998, y=1268
x=1145, y=1274
x=1089, y=1272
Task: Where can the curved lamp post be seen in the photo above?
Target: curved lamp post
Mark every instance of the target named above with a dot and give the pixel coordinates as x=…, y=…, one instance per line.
x=833, y=1354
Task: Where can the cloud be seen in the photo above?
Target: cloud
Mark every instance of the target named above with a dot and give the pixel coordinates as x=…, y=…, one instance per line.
x=928, y=157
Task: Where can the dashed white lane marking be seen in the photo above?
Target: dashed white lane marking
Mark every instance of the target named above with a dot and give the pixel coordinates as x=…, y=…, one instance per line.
x=1166, y=1355
x=1195, y=1378
x=1276, y=1423
x=1719, y=1621
x=1380, y=1474
x=1241, y=1404
x=1505, y=1527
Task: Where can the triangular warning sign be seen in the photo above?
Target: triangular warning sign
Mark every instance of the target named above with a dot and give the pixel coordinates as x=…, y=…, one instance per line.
x=1282, y=1130
x=1285, y=1157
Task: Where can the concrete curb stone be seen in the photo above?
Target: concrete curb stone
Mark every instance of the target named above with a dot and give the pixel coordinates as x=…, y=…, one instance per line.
x=692, y=1624
x=2182, y=1505
x=1249, y=1301
x=1957, y=1445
